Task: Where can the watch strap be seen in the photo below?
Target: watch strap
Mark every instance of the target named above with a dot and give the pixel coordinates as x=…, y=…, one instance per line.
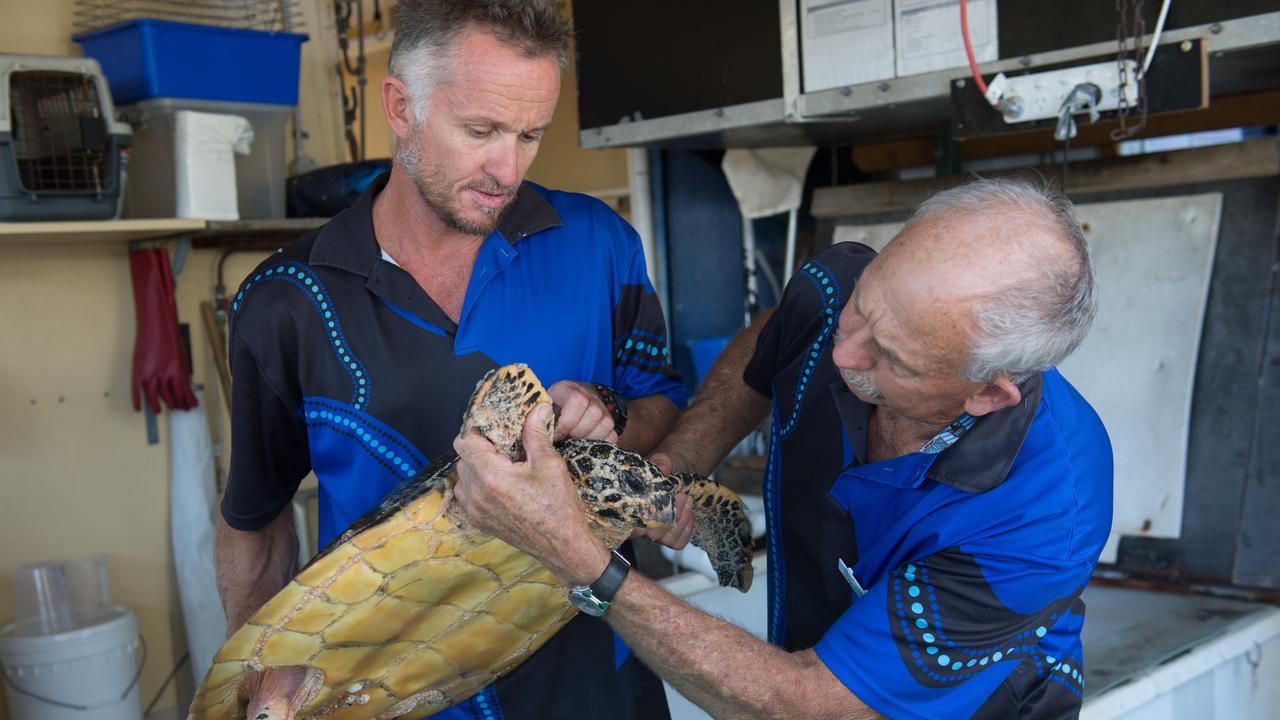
x=607, y=585
x=616, y=404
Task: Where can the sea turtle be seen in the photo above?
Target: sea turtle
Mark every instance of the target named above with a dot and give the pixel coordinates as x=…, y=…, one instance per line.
x=412, y=609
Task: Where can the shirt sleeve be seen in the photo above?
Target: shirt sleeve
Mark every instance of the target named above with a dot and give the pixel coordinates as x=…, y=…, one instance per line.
x=935, y=640
x=800, y=315
x=269, y=450
x=641, y=357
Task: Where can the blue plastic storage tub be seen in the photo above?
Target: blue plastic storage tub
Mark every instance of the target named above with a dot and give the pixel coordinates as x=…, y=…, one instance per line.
x=145, y=59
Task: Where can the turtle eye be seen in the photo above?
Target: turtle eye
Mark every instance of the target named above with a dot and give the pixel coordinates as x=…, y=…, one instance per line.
x=633, y=482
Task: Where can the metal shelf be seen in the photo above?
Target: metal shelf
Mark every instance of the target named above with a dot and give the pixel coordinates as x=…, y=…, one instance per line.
x=1243, y=58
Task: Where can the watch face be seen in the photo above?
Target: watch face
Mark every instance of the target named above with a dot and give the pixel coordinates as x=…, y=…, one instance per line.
x=582, y=599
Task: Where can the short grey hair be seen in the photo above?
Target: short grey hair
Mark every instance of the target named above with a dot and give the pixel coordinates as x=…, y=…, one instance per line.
x=1034, y=325
x=426, y=32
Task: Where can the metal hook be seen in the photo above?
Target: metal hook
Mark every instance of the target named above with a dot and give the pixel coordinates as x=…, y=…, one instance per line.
x=1083, y=98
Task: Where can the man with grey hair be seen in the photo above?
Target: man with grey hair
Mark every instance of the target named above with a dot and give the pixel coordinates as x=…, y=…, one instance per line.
x=937, y=494
x=355, y=349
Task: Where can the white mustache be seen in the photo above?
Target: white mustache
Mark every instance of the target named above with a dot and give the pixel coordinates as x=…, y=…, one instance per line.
x=861, y=384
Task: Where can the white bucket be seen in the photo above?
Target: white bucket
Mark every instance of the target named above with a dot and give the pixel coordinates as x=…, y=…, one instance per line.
x=89, y=673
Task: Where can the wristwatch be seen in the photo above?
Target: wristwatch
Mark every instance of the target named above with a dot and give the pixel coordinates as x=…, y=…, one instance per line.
x=616, y=405
x=594, y=599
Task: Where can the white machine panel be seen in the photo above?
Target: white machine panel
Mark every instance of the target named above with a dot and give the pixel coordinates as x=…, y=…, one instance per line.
x=1040, y=96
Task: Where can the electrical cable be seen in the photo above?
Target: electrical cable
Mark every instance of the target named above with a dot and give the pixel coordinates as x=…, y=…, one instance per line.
x=968, y=47
x=1155, y=37
x=1066, y=158
x=172, y=674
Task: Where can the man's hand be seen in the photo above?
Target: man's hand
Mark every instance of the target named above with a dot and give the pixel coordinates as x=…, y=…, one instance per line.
x=532, y=505
x=674, y=536
x=582, y=413
x=677, y=535
x=273, y=693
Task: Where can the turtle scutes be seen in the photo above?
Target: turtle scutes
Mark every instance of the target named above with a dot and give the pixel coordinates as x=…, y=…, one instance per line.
x=413, y=610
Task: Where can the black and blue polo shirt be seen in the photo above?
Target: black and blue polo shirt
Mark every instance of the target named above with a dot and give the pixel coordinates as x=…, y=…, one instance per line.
x=344, y=366
x=941, y=583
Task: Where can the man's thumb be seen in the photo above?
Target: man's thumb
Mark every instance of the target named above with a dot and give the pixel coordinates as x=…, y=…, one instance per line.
x=539, y=428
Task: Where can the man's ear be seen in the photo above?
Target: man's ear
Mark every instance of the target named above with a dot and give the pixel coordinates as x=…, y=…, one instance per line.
x=398, y=107
x=997, y=395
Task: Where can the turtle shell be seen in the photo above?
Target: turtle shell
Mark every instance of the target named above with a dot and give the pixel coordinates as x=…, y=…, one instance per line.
x=413, y=610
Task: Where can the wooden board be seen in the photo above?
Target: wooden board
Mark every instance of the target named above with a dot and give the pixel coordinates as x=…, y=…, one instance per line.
x=84, y=232
x=1250, y=159
x=1232, y=111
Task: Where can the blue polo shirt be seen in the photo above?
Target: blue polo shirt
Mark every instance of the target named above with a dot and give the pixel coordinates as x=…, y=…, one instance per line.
x=343, y=365
x=942, y=583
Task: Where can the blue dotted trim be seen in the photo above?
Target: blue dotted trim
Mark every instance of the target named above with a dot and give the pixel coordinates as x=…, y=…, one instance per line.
x=829, y=292
x=643, y=335
x=301, y=277
x=484, y=705
x=1067, y=672
x=642, y=348
x=773, y=536
x=939, y=659
x=384, y=445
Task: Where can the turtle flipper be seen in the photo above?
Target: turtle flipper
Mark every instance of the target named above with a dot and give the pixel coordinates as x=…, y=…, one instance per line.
x=499, y=405
x=721, y=528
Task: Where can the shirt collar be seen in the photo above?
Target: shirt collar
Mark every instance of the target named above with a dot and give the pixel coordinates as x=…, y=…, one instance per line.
x=973, y=456
x=980, y=460
x=347, y=242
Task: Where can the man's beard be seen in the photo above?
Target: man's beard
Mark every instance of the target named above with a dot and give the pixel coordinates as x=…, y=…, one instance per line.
x=438, y=196
x=862, y=385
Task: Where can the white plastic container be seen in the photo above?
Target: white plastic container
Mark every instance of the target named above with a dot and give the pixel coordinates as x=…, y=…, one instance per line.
x=153, y=169
x=90, y=673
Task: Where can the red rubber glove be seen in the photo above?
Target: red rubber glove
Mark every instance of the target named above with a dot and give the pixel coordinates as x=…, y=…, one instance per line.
x=159, y=361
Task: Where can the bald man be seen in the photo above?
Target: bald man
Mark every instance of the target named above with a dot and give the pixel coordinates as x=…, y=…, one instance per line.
x=937, y=494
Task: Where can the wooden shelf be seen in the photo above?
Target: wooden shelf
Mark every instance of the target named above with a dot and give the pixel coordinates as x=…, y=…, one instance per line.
x=92, y=232
x=208, y=234
x=248, y=234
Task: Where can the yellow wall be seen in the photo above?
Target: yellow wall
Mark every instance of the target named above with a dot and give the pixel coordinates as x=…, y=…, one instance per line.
x=76, y=474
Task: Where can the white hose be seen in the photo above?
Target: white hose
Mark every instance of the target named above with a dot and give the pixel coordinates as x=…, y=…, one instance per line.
x=1155, y=38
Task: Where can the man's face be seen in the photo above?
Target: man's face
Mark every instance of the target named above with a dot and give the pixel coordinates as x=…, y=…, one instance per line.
x=481, y=132
x=901, y=346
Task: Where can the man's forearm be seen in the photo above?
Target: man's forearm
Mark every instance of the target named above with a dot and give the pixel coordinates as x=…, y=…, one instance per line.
x=648, y=421
x=722, y=668
x=253, y=566
x=724, y=410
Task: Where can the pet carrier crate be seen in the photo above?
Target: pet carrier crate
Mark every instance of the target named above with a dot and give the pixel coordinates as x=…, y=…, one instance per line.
x=60, y=144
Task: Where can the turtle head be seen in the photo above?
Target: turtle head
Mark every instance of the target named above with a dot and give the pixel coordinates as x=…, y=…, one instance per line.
x=618, y=486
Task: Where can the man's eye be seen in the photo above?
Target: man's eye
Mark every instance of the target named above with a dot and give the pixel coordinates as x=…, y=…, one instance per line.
x=530, y=137
x=479, y=132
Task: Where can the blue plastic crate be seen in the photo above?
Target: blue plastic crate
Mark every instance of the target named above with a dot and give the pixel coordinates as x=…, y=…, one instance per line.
x=145, y=59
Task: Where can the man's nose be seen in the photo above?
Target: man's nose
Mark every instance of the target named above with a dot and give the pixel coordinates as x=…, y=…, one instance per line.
x=851, y=352
x=503, y=163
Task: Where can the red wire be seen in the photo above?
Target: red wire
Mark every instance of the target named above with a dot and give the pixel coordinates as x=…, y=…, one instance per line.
x=968, y=47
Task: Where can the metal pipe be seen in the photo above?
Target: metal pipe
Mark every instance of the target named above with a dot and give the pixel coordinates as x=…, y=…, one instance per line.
x=790, y=265
x=642, y=207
